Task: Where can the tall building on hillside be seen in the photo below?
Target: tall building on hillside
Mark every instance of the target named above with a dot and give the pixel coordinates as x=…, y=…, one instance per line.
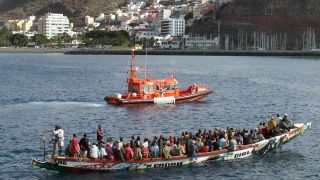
x=53, y=24
x=20, y=25
x=173, y=26
x=89, y=20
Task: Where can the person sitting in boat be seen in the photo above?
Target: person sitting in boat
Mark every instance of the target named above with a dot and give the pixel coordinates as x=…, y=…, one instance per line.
x=109, y=140
x=238, y=138
x=94, y=151
x=205, y=147
x=264, y=130
x=102, y=150
x=192, y=149
x=214, y=145
x=145, y=151
x=177, y=149
x=260, y=137
x=117, y=151
x=85, y=146
x=199, y=143
x=74, y=147
x=252, y=137
x=285, y=124
x=232, y=144
x=109, y=152
x=166, y=150
x=128, y=152
x=272, y=124
x=154, y=149
x=99, y=134
x=222, y=141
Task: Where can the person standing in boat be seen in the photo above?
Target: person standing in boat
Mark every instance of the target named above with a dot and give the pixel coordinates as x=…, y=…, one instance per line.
x=74, y=147
x=99, y=134
x=128, y=152
x=58, y=140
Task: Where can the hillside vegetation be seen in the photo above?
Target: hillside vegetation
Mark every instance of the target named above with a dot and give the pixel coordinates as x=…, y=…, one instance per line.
x=76, y=10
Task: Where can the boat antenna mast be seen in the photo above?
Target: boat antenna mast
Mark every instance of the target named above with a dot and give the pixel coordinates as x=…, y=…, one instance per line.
x=133, y=56
x=172, y=64
x=145, y=61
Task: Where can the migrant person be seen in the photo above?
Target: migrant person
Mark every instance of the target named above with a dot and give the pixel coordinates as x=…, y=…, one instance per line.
x=99, y=134
x=94, y=151
x=154, y=149
x=74, y=147
x=58, y=140
x=85, y=146
x=128, y=152
x=193, y=149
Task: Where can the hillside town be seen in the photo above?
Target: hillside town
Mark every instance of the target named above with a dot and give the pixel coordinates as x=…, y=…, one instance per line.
x=158, y=24
x=161, y=24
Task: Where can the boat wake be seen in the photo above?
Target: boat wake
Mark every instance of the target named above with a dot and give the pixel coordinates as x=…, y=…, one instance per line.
x=62, y=104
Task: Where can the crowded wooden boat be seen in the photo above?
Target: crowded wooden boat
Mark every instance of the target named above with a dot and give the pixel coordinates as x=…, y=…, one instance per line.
x=164, y=152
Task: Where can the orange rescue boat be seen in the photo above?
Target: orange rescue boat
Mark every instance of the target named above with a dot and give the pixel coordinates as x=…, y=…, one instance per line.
x=156, y=91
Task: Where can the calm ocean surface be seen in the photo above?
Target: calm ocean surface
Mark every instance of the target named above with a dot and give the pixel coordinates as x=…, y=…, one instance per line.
x=39, y=91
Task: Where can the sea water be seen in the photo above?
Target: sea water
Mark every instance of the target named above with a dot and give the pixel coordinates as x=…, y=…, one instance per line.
x=39, y=91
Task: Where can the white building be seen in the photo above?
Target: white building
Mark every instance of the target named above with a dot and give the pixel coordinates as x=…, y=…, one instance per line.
x=200, y=42
x=88, y=20
x=173, y=26
x=163, y=14
x=53, y=24
x=169, y=43
x=146, y=34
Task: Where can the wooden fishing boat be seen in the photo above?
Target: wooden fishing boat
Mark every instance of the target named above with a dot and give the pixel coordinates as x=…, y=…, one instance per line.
x=70, y=164
x=142, y=91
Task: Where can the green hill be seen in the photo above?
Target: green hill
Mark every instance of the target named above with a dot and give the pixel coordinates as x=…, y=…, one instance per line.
x=76, y=10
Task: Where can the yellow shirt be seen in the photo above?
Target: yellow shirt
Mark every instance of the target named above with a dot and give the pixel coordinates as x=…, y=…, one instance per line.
x=272, y=124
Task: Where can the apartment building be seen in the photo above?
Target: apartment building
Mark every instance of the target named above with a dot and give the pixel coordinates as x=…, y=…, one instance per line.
x=173, y=26
x=53, y=24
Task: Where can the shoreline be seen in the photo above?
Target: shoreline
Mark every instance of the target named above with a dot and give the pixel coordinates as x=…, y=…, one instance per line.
x=162, y=52
x=32, y=50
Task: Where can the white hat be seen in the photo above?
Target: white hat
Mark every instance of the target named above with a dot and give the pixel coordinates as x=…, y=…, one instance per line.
x=285, y=114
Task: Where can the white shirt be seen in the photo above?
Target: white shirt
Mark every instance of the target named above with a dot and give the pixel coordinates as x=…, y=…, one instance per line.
x=102, y=152
x=94, y=151
x=60, y=134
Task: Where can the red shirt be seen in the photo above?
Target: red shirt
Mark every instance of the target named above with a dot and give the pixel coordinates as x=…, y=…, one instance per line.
x=204, y=149
x=264, y=131
x=145, y=153
x=99, y=134
x=74, y=147
x=128, y=153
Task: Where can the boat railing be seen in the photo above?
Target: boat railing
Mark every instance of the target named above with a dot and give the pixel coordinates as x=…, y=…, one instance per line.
x=46, y=143
x=205, y=86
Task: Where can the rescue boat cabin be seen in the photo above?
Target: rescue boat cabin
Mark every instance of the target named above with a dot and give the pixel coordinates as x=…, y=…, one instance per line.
x=150, y=88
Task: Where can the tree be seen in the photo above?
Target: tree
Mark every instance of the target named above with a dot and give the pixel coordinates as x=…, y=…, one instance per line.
x=102, y=37
x=19, y=40
x=40, y=39
x=66, y=39
x=5, y=37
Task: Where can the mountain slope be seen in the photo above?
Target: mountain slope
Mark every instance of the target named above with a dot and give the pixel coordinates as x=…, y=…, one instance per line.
x=74, y=9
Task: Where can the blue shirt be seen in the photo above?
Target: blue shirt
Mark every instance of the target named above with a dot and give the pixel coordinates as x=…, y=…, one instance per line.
x=222, y=143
